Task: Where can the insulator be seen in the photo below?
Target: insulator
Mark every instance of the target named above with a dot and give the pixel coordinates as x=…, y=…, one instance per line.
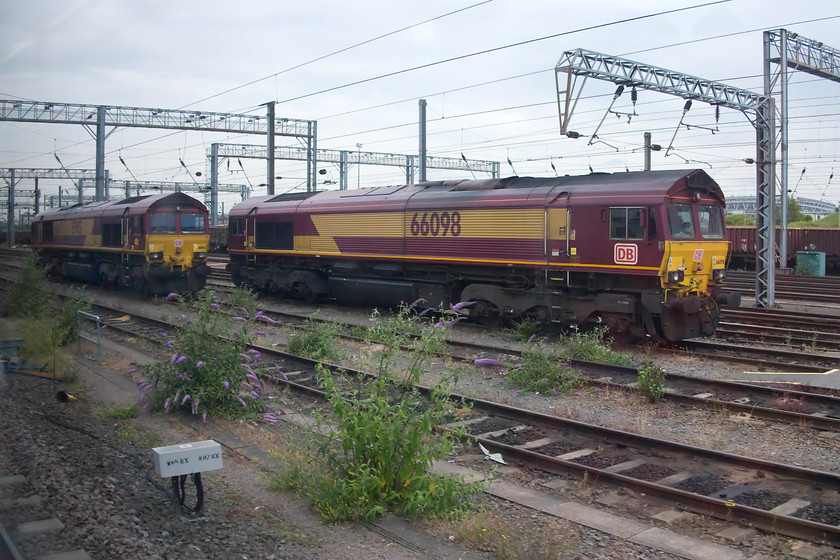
x=634, y=95
x=573, y=134
x=717, y=113
x=619, y=90
x=687, y=106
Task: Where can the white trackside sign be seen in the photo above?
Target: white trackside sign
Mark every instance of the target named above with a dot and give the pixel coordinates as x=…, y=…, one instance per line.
x=187, y=458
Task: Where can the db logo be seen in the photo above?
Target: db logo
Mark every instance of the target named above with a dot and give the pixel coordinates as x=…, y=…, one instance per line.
x=698, y=255
x=179, y=242
x=625, y=253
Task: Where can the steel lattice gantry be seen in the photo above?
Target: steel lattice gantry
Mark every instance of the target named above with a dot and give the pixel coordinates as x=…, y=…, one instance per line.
x=102, y=116
x=12, y=175
x=575, y=67
x=345, y=158
x=790, y=51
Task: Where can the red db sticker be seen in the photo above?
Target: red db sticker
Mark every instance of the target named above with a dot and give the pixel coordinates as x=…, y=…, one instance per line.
x=179, y=242
x=625, y=253
x=698, y=255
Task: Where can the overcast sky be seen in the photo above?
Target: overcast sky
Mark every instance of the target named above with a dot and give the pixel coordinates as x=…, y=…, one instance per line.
x=234, y=56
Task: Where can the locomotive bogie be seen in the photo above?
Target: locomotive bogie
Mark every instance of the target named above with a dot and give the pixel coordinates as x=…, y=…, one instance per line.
x=639, y=252
x=157, y=243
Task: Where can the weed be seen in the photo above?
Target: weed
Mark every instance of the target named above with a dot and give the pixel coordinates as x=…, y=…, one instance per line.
x=651, y=381
x=243, y=297
x=374, y=453
x=119, y=412
x=543, y=371
x=29, y=297
x=593, y=346
x=526, y=330
x=316, y=341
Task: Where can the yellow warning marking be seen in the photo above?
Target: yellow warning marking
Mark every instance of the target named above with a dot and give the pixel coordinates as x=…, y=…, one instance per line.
x=122, y=319
x=37, y=373
x=829, y=372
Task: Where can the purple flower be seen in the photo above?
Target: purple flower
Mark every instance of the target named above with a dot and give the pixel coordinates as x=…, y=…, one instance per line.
x=240, y=319
x=185, y=399
x=247, y=385
x=177, y=394
x=132, y=363
x=518, y=391
x=439, y=325
x=455, y=320
x=554, y=391
x=255, y=395
x=199, y=363
x=170, y=342
x=132, y=370
x=259, y=312
x=241, y=310
x=215, y=306
x=268, y=320
x=485, y=362
x=600, y=390
x=167, y=404
x=578, y=394
x=259, y=333
x=460, y=305
x=173, y=358
x=417, y=302
x=253, y=377
x=242, y=402
x=227, y=386
x=245, y=357
x=545, y=339
x=256, y=353
x=545, y=380
x=171, y=296
x=533, y=336
x=181, y=360
x=422, y=313
x=162, y=334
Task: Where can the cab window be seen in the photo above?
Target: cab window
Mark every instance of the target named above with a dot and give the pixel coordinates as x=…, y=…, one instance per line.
x=237, y=226
x=192, y=223
x=680, y=221
x=627, y=223
x=162, y=223
x=710, y=221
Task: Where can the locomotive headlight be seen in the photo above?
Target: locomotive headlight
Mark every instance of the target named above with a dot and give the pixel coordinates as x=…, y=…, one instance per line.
x=676, y=276
x=201, y=255
x=156, y=256
x=719, y=274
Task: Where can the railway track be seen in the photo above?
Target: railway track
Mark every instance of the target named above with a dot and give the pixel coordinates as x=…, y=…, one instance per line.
x=823, y=289
x=773, y=496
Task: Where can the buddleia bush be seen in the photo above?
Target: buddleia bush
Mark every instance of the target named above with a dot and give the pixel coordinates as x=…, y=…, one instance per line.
x=211, y=369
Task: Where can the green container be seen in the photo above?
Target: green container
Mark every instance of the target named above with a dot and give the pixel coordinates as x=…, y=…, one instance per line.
x=812, y=262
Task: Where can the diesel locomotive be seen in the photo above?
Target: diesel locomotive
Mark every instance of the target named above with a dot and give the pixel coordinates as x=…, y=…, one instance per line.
x=154, y=243
x=641, y=252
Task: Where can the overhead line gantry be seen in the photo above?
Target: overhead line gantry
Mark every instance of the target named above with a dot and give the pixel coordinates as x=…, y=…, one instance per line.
x=576, y=66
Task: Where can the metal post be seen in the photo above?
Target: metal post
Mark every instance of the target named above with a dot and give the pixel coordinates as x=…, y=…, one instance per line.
x=37, y=196
x=100, y=155
x=647, y=151
x=10, y=213
x=343, y=167
x=81, y=189
x=214, y=184
x=80, y=316
x=783, y=78
x=422, y=140
x=270, y=152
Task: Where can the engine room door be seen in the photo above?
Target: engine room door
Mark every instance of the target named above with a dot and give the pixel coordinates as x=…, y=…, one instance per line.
x=557, y=223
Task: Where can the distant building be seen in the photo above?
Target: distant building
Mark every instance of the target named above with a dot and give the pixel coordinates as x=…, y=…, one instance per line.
x=815, y=208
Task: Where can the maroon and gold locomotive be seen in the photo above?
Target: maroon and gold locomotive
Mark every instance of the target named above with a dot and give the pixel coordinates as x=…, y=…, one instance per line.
x=642, y=252
x=155, y=243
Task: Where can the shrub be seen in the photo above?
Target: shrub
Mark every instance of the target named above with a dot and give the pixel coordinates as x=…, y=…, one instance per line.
x=526, y=330
x=375, y=450
x=28, y=297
